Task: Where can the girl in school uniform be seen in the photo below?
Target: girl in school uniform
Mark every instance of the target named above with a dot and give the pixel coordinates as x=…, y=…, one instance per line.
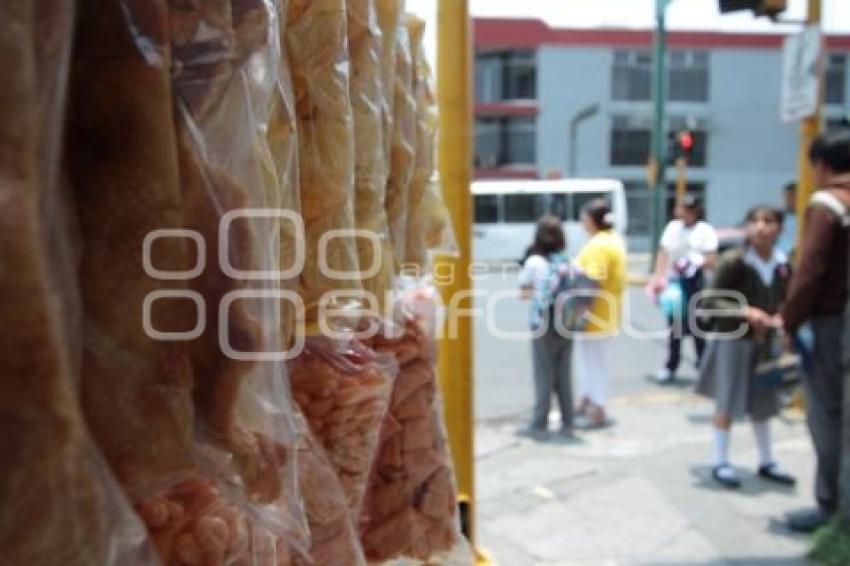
x=760, y=273
x=551, y=352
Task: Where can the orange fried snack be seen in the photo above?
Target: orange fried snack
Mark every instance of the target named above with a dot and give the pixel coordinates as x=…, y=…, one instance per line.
x=193, y=523
x=221, y=116
x=343, y=389
x=410, y=506
x=333, y=538
x=61, y=504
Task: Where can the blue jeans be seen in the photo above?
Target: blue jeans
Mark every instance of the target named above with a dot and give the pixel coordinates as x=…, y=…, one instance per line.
x=679, y=329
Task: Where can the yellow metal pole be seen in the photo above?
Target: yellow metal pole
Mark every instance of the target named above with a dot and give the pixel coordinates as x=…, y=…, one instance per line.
x=681, y=178
x=809, y=130
x=454, y=96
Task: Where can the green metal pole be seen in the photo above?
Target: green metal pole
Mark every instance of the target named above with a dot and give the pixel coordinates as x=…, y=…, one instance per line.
x=659, y=134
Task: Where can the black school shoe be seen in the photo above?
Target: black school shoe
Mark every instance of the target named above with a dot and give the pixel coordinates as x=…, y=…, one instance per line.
x=772, y=472
x=726, y=476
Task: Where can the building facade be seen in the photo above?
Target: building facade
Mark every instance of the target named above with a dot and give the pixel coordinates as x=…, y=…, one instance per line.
x=579, y=103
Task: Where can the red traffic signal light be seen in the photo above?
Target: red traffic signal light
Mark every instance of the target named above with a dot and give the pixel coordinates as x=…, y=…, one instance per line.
x=686, y=142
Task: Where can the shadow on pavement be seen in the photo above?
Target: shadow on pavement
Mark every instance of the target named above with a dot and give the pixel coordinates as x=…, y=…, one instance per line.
x=751, y=485
x=700, y=418
x=678, y=383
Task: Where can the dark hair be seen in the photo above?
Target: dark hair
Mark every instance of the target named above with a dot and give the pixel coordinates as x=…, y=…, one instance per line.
x=693, y=204
x=832, y=149
x=599, y=211
x=791, y=187
x=549, y=237
x=777, y=214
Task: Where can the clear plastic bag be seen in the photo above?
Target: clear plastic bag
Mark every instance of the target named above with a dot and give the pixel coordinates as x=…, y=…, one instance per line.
x=424, y=162
x=389, y=18
x=333, y=536
x=371, y=164
x=283, y=146
x=168, y=132
x=410, y=509
x=403, y=146
x=434, y=222
x=136, y=391
x=60, y=502
x=343, y=388
x=227, y=85
x=316, y=45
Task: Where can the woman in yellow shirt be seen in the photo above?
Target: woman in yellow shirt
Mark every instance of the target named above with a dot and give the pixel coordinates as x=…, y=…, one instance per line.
x=603, y=259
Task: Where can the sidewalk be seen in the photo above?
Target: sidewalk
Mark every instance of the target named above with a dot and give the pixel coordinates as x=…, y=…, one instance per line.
x=639, y=492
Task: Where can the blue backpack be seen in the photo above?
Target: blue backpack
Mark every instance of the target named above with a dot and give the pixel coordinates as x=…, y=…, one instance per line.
x=574, y=295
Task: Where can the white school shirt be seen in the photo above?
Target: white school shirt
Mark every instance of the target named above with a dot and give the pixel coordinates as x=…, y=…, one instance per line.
x=765, y=268
x=541, y=275
x=534, y=270
x=687, y=246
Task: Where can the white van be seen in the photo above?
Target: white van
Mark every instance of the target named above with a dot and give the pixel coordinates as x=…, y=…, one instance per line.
x=506, y=212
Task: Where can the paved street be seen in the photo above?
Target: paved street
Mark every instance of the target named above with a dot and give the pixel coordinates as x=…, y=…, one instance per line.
x=637, y=493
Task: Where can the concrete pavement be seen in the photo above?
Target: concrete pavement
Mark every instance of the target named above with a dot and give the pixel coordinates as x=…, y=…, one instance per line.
x=639, y=492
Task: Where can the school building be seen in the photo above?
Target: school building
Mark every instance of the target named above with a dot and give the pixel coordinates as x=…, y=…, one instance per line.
x=578, y=102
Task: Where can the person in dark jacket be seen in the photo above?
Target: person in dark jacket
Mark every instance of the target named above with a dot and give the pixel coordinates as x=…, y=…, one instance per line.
x=818, y=296
x=759, y=273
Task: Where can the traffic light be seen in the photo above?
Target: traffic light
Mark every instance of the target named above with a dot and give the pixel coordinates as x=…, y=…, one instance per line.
x=680, y=145
x=686, y=144
x=771, y=8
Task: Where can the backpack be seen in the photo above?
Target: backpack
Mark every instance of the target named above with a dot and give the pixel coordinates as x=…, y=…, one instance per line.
x=574, y=294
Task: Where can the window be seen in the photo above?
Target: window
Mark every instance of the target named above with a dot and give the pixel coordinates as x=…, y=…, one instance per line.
x=688, y=76
x=487, y=143
x=505, y=141
x=630, y=143
x=833, y=124
x=520, y=76
x=522, y=208
x=559, y=205
x=632, y=75
x=836, y=78
x=505, y=75
x=687, y=79
x=488, y=78
x=486, y=209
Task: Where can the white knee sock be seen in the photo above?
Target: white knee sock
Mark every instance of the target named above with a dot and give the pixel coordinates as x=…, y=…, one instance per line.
x=761, y=429
x=721, y=446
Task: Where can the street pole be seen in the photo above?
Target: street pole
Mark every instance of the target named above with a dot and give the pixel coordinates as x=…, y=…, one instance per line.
x=659, y=134
x=681, y=178
x=581, y=116
x=809, y=130
x=454, y=95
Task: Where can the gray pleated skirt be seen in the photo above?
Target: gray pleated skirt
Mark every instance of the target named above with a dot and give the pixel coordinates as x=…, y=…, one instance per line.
x=727, y=376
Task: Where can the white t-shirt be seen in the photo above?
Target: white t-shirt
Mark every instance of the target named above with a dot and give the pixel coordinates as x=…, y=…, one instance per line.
x=687, y=246
x=534, y=271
